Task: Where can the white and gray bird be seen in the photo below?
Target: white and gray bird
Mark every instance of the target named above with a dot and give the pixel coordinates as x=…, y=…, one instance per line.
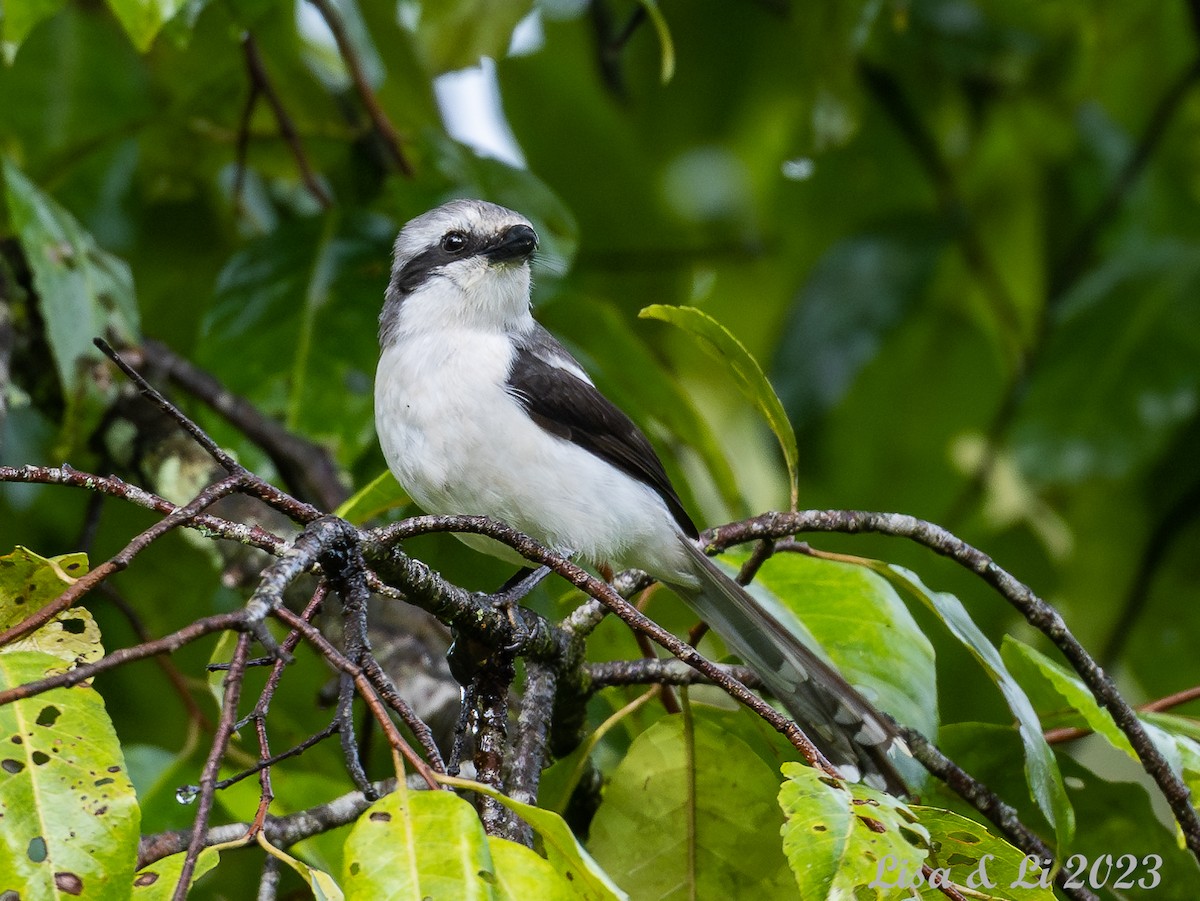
x=480, y=410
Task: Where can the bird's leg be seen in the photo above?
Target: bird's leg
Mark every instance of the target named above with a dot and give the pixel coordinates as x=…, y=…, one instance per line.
x=510, y=595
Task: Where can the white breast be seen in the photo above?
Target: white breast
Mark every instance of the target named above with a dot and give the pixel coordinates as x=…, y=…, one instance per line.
x=459, y=443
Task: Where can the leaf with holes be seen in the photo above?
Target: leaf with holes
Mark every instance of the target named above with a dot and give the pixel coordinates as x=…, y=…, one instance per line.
x=82, y=291
x=976, y=859
x=28, y=582
x=69, y=811
x=832, y=850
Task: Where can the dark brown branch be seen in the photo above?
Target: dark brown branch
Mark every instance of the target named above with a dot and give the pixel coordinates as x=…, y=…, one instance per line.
x=383, y=126
x=604, y=593
x=284, y=503
x=220, y=623
x=988, y=803
x=213, y=526
x=340, y=662
x=282, y=832
x=260, y=83
x=122, y=559
x=270, y=761
x=1036, y=612
x=305, y=467
x=531, y=745
x=492, y=684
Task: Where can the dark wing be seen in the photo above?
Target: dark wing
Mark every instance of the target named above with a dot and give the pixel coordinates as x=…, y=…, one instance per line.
x=549, y=384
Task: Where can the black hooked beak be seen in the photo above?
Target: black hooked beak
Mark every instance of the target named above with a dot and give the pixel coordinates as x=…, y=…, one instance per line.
x=518, y=242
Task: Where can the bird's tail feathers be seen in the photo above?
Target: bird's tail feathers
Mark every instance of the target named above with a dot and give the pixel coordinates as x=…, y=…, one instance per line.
x=848, y=729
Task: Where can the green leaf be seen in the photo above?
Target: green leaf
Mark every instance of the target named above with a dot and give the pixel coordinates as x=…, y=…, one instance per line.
x=562, y=849
x=702, y=806
x=523, y=874
x=157, y=881
x=974, y=858
x=69, y=811
x=28, y=582
x=832, y=852
x=418, y=844
x=1181, y=752
x=142, y=19
x=18, y=19
x=858, y=619
x=299, y=310
x=82, y=291
x=1041, y=769
x=378, y=496
x=719, y=342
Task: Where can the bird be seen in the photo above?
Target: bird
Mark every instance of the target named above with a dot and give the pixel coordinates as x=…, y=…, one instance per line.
x=480, y=410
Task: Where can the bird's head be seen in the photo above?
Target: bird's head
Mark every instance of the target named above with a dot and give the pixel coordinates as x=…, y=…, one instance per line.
x=465, y=263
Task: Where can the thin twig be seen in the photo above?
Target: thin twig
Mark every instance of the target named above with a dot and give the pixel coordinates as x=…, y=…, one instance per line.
x=383, y=125
x=282, y=832
x=284, y=503
x=120, y=560
x=213, y=526
x=629, y=614
x=304, y=466
x=208, y=776
x=221, y=622
x=260, y=82
x=1072, y=733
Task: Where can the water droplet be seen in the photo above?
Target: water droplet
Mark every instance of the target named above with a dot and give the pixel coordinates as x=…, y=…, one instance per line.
x=186, y=794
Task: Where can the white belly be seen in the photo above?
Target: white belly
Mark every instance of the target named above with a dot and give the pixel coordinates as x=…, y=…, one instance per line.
x=459, y=443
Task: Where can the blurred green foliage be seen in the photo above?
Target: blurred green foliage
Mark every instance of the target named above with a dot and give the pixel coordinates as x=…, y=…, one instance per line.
x=961, y=236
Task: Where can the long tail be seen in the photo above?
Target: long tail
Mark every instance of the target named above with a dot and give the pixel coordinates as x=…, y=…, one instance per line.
x=841, y=722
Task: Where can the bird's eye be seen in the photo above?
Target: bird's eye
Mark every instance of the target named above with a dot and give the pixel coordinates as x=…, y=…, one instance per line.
x=454, y=242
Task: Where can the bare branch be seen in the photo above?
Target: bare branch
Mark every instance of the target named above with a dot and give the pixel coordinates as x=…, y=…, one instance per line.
x=282, y=832
x=90, y=580
x=213, y=526
x=208, y=777
x=383, y=126
x=260, y=83
x=306, y=467
x=605, y=593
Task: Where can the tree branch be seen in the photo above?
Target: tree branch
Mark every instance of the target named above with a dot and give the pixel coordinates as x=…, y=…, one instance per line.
x=1036, y=612
x=304, y=466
